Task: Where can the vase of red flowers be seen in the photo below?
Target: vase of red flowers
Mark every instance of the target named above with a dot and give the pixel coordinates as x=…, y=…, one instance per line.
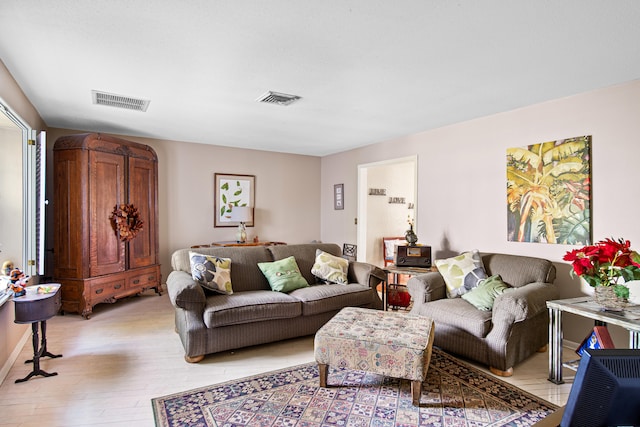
x=607, y=264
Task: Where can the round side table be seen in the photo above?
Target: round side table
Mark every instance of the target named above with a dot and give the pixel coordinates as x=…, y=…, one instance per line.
x=36, y=308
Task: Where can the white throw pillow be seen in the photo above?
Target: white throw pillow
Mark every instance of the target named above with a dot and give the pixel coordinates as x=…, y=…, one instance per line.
x=330, y=268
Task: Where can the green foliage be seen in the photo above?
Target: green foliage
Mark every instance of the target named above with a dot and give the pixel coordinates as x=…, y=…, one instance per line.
x=231, y=193
x=574, y=229
x=621, y=291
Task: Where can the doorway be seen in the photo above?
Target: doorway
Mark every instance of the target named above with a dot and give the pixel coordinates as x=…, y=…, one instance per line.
x=387, y=199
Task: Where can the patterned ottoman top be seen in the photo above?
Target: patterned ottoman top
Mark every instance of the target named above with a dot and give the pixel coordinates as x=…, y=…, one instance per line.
x=380, y=327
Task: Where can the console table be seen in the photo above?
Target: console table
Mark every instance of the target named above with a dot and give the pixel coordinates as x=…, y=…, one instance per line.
x=586, y=307
x=34, y=308
x=234, y=243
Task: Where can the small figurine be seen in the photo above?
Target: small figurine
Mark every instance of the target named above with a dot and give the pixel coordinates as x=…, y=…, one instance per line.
x=18, y=282
x=7, y=266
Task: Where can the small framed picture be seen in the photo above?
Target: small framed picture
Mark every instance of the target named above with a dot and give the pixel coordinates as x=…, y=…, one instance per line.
x=338, y=196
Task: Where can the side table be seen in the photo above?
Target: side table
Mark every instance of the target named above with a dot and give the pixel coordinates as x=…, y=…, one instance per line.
x=397, y=271
x=36, y=308
x=629, y=319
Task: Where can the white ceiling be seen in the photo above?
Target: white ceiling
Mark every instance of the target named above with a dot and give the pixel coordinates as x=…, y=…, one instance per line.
x=367, y=70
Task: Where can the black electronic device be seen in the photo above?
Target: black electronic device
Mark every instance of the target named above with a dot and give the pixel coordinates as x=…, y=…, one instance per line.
x=605, y=391
x=412, y=256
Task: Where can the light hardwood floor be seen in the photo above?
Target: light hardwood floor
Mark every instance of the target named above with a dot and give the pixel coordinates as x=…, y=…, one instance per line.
x=128, y=353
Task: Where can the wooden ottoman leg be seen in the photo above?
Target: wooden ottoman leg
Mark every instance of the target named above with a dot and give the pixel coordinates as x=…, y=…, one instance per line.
x=323, y=369
x=416, y=391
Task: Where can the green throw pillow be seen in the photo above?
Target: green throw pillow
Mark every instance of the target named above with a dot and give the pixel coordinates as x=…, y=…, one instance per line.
x=330, y=268
x=461, y=273
x=283, y=275
x=483, y=295
x=211, y=272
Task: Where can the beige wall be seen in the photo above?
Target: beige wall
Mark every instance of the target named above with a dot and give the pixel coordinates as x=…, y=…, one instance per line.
x=462, y=178
x=287, y=204
x=13, y=96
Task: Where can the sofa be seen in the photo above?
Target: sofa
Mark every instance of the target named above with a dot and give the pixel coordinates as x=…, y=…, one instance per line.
x=209, y=322
x=500, y=336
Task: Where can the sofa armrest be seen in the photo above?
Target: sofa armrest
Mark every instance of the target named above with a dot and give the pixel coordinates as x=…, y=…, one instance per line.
x=525, y=302
x=184, y=292
x=427, y=287
x=365, y=274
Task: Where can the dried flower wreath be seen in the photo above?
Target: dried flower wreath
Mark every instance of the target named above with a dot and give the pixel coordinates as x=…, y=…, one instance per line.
x=126, y=221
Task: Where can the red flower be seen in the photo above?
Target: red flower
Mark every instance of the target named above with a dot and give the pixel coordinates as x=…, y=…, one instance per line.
x=604, y=262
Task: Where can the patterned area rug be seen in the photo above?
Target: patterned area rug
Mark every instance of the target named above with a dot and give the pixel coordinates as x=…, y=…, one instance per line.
x=454, y=394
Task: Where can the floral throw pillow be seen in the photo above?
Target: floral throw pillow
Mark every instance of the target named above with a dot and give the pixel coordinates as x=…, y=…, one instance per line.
x=211, y=272
x=330, y=268
x=461, y=273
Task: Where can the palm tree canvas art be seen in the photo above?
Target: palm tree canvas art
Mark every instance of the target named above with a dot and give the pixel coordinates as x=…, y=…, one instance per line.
x=549, y=192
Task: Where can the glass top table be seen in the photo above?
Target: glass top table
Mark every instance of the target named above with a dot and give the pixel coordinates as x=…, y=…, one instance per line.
x=584, y=306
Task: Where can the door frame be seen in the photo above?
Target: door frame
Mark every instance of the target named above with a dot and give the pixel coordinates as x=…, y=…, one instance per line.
x=362, y=202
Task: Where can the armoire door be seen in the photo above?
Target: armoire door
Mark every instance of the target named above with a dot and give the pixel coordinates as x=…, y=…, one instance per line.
x=71, y=209
x=106, y=190
x=142, y=194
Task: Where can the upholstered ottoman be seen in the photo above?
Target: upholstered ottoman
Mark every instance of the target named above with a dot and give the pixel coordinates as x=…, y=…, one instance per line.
x=382, y=342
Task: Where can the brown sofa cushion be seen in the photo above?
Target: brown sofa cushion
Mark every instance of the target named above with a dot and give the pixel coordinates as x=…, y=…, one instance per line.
x=459, y=313
x=518, y=270
x=249, y=306
x=324, y=298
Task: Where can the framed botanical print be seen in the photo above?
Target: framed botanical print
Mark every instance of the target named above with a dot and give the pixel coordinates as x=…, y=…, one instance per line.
x=230, y=191
x=549, y=192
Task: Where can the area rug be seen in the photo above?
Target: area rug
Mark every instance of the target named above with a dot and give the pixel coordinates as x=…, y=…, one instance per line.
x=454, y=394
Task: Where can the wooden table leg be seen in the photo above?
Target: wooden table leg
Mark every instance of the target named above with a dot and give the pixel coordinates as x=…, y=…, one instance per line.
x=37, y=353
x=416, y=391
x=323, y=369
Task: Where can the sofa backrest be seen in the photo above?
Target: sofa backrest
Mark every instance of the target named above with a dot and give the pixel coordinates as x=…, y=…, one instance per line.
x=245, y=274
x=518, y=270
x=305, y=255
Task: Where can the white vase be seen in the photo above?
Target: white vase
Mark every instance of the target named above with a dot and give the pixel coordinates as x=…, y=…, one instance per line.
x=585, y=288
x=634, y=291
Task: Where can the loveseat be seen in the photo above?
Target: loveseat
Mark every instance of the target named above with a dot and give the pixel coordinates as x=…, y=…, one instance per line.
x=209, y=322
x=500, y=336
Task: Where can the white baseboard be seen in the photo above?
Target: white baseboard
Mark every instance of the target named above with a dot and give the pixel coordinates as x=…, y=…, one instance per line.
x=14, y=355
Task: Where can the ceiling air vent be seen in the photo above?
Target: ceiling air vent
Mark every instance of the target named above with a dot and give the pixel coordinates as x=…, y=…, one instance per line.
x=278, y=98
x=119, y=101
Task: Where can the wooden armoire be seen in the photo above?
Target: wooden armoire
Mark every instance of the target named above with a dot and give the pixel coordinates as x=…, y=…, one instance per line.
x=94, y=174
